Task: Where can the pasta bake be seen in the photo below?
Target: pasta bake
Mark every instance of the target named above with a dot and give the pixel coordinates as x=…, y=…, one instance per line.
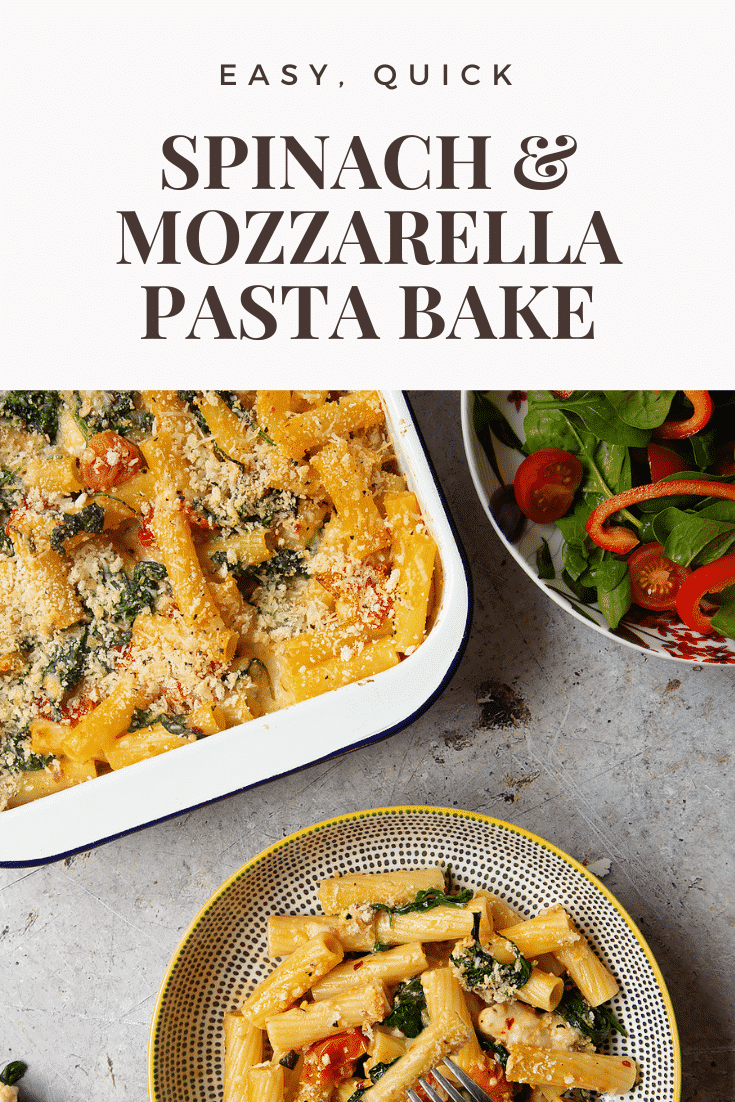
x=398, y=973
x=173, y=563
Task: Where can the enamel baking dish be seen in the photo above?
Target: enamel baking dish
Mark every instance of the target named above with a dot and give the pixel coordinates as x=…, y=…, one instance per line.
x=273, y=745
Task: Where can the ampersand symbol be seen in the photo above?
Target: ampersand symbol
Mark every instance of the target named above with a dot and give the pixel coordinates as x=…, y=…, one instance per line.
x=546, y=168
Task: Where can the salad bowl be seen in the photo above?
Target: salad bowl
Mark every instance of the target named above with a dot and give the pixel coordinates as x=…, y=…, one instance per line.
x=494, y=456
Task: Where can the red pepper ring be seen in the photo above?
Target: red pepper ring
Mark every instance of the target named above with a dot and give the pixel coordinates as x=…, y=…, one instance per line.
x=710, y=578
x=622, y=540
x=680, y=430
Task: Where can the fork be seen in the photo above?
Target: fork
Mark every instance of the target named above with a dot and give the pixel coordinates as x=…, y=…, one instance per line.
x=469, y=1085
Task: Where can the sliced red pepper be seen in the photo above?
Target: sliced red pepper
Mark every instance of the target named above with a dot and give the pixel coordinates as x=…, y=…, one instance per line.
x=622, y=540
x=679, y=430
x=707, y=579
x=663, y=461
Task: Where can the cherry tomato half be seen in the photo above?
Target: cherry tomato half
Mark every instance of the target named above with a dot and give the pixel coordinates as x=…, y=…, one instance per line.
x=545, y=484
x=654, y=578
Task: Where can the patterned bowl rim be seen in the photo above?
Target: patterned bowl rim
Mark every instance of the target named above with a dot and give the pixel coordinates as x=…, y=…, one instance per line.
x=411, y=809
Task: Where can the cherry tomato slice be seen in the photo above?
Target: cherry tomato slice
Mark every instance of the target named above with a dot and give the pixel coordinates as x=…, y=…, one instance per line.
x=545, y=484
x=654, y=578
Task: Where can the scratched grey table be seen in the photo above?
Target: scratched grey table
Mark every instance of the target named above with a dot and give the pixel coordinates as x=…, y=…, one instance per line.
x=605, y=752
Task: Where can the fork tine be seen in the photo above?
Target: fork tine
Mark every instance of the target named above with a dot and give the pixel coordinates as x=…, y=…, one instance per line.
x=451, y=1090
x=469, y=1084
x=413, y=1096
x=433, y=1096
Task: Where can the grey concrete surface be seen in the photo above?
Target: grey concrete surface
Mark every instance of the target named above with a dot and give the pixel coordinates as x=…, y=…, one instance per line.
x=605, y=752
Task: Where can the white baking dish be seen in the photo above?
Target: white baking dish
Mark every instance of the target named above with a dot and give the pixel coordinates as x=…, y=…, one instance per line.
x=262, y=749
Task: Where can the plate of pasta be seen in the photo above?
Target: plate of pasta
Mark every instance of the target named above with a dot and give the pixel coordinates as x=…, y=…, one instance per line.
x=346, y=961
x=187, y=570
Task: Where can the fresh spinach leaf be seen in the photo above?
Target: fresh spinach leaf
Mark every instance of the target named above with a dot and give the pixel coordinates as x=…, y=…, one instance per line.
x=644, y=409
x=546, y=426
x=598, y=416
x=607, y=573
x=615, y=602
x=693, y=538
x=584, y=593
x=575, y=558
x=703, y=446
x=613, y=463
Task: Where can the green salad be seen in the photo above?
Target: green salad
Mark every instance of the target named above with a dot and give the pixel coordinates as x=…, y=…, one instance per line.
x=641, y=485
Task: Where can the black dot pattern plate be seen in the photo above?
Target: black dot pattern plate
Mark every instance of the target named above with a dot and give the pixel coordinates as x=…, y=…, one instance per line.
x=224, y=952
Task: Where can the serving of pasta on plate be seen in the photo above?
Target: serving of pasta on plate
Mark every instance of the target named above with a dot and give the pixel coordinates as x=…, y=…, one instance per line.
x=174, y=563
x=398, y=973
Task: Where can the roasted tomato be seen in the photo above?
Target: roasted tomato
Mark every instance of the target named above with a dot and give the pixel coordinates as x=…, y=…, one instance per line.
x=109, y=460
x=654, y=578
x=545, y=484
x=333, y=1059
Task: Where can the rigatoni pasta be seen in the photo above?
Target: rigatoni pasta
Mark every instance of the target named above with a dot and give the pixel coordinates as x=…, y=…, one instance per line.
x=173, y=563
x=389, y=1011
